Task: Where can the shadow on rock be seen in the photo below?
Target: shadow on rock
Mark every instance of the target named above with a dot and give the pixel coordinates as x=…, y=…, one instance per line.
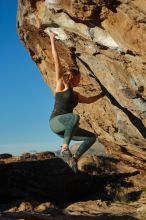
x=52, y=180
x=28, y=216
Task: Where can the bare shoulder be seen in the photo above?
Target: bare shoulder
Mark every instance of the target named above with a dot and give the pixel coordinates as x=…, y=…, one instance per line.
x=61, y=85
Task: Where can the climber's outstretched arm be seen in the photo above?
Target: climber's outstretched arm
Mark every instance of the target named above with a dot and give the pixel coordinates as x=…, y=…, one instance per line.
x=58, y=71
x=88, y=100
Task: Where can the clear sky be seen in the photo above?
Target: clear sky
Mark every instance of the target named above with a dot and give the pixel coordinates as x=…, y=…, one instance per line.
x=25, y=100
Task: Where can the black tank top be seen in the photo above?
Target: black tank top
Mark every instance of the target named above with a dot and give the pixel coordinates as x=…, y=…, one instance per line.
x=65, y=102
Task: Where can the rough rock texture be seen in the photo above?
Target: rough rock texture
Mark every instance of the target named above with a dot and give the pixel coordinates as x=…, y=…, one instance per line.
x=41, y=186
x=106, y=39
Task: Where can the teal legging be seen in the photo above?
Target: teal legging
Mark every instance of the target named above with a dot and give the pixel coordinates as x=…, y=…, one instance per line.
x=66, y=126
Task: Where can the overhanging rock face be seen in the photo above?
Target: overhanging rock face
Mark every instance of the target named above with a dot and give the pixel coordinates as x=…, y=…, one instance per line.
x=107, y=41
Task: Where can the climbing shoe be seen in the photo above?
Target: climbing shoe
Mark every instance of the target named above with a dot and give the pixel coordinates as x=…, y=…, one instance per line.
x=73, y=164
x=66, y=155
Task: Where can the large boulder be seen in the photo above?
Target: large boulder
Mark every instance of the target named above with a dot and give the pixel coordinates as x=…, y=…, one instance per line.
x=107, y=41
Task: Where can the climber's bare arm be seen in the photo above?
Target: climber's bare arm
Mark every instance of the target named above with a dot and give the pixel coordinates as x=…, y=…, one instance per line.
x=88, y=100
x=58, y=70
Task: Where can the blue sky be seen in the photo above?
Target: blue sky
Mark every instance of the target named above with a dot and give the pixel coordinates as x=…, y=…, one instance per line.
x=25, y=100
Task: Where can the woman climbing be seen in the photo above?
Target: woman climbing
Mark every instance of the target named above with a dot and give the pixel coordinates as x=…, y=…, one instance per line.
x=63, y=121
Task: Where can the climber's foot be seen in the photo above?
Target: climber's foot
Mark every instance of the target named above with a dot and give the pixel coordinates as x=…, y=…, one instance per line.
x=66, y=154
x=73, y=164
